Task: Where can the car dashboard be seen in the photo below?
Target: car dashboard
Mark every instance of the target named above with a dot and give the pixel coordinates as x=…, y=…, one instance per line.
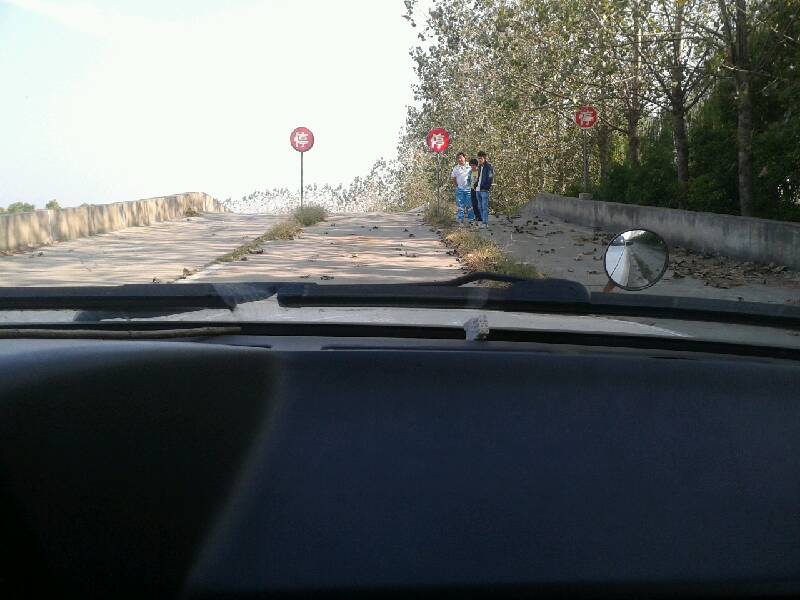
x=242, y=466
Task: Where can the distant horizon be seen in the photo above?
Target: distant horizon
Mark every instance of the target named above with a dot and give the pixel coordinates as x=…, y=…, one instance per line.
x=124, y=100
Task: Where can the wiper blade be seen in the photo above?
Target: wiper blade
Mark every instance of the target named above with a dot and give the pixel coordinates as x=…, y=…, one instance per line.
x=697, y=309
x=137, y=297
x=537, y=294
x=558, y=296
x=478, y=276
x=63, y=333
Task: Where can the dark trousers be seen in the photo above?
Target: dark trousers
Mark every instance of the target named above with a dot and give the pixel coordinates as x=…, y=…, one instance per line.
x=475, y=209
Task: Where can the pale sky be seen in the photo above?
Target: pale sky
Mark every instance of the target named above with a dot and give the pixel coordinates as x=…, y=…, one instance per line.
x=109, y=100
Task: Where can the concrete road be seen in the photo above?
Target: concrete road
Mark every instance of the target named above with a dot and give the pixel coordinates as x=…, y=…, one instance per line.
x=136, y=254
x=365, y=248
x=347, y=248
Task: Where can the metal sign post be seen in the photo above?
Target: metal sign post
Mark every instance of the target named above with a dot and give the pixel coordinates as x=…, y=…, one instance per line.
x=301, y=140
x=437, y=141
x=586, y=117
x=585, y=133
x=438, y=180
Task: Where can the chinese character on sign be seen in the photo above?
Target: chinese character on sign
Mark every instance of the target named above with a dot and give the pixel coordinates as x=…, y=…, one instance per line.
x=586, y=117
x=438, y=140
x=301, y=139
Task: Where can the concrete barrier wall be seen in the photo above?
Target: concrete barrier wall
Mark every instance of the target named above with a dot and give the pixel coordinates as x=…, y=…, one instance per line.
x=746, y=238
x=41, y=227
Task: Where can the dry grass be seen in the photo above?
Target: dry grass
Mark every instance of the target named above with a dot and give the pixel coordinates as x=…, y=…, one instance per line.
x=190, y=212
x=285, y=230
x=479, y=254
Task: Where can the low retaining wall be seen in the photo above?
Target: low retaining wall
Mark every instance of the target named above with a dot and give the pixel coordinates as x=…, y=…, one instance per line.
x=746, y=238
x=41, y=227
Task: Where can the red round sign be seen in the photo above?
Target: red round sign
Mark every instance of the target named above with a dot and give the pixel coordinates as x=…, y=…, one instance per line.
x=438, y=140
x=586, y=117
x=301, y=139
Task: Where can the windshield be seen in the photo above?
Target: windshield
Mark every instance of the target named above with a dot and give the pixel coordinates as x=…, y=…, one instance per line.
x=637, y=147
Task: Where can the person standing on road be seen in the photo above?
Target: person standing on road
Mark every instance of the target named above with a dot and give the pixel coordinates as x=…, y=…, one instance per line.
x=459, y=176
x=485, y=179
x=473, y=185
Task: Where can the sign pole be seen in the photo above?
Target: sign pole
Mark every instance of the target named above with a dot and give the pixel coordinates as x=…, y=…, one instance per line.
x=585, y=117
x=585, y=163
x=438, y=179
x=437, y=141
x=301, y=140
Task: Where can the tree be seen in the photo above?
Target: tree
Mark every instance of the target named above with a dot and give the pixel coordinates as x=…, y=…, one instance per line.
x=20, y=207
x=53, y=205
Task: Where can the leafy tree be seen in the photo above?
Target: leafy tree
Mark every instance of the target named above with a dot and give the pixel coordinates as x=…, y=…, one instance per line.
x=53, y=205
x=20, y=207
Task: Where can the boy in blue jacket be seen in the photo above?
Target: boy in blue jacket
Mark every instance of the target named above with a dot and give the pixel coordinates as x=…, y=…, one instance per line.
x=485, y=179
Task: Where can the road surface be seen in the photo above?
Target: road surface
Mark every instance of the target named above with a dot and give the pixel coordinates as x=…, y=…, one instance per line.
x=374, y=248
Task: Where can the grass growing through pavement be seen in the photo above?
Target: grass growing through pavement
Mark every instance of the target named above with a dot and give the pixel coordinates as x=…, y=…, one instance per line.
x=480, y=254
x=285, y=230
x=441, y=217
x=476, y=252
x=308, y=215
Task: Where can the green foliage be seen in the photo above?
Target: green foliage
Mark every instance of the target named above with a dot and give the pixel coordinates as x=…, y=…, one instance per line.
x=53, y=205
x=653, y=182
x=713, y=165
x=20, y=207
x=481, y=255
x=507, y=77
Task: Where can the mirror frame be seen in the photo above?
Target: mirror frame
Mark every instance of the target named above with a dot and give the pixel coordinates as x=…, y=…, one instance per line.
x=658, y=277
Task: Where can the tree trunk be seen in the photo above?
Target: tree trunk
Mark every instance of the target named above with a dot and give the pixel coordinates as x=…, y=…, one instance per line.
x=559, y=158
x=744, y=139
x=681, y=142
x=736, y=32
x=634, y=143
x=678, y=104
x=634, y=94
x=744, y=134
x=604, y=147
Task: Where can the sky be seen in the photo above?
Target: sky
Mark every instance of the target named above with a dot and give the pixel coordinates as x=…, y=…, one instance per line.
x=110, y=100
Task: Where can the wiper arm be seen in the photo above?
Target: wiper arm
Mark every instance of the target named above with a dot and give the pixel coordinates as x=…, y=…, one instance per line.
x=150, y=298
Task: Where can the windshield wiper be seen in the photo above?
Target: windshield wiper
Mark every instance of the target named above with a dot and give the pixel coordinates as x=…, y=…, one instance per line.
x=522, y=295
x=556, y=296
x=152, y=298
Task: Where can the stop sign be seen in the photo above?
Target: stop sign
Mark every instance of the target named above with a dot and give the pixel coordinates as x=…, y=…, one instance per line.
x=301, y=139
x=438, y=140
x=586, y=117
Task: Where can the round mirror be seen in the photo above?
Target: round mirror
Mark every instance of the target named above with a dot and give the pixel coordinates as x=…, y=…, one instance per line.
x=636, y=259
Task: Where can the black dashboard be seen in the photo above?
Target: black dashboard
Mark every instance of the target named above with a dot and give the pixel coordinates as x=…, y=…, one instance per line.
x=244, y=466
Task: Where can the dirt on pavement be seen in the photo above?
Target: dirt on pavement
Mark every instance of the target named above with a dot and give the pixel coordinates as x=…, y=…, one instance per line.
x=561, y=249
